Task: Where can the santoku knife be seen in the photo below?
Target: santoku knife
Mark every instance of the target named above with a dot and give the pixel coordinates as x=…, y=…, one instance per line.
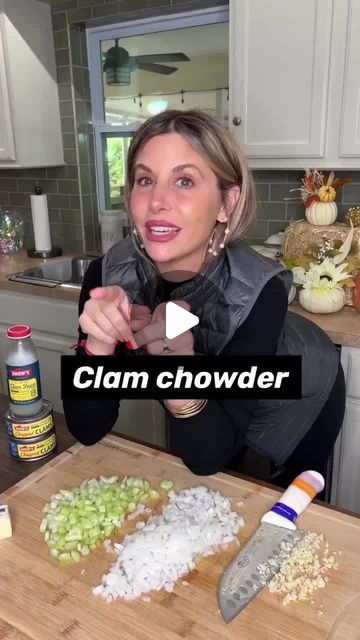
x=260, y=559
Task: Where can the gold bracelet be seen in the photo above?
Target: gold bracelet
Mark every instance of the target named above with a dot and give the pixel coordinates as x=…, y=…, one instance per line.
x=191, y=408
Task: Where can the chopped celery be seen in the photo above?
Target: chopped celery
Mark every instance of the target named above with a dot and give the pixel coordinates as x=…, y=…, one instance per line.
x=76, y=520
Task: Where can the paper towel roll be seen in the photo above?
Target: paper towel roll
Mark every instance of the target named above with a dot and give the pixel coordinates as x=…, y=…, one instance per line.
x=40, y=220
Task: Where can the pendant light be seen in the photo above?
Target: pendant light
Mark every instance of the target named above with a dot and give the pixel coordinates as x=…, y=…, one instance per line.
x=117, y=66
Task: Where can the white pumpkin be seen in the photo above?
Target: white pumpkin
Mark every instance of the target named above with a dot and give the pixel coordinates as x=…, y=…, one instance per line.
x=321, y=213
x=322, y=300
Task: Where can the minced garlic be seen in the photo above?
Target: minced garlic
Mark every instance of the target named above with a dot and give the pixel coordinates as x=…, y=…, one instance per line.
x=305, y=571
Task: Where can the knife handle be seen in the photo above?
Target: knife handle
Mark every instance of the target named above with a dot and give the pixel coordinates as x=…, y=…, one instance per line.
x=295, y=499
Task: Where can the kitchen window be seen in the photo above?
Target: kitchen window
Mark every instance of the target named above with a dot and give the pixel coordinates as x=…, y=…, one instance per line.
x=138, y=69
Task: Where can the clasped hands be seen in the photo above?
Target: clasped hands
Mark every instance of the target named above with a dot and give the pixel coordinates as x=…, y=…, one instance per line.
x=108, y=318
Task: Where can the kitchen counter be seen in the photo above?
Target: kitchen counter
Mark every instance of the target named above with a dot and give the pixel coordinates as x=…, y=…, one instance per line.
x=42, y=599
x=342, y=327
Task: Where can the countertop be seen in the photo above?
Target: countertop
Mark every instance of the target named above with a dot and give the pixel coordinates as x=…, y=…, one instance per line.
x=42, y=600
x=343, y=327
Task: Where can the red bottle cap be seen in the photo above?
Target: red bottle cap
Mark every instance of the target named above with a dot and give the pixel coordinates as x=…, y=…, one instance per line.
x=18, y=331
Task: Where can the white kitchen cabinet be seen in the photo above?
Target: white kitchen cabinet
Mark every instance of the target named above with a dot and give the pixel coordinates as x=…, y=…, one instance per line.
x=346, y=469
x=30, y=127
x=350, y=116
x=280, y=66
x=290, y=106
x=54, y=329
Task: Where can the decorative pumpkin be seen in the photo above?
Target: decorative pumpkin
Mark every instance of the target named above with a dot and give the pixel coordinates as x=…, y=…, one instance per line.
x=322, y=301
x=327, y=193
x=321, y=213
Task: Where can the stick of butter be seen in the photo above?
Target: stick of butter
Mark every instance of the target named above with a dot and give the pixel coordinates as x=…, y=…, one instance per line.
x=5, y=522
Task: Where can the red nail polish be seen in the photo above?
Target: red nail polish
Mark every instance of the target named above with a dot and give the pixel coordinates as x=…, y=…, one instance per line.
x=130, y=345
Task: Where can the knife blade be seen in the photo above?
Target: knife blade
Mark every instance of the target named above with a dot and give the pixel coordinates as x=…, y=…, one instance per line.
x=272, y=543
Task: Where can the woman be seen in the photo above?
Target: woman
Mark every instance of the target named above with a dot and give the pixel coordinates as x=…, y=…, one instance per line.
x=191, y=199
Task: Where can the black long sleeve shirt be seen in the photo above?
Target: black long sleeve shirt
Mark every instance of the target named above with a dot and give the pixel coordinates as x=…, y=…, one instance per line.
x=208, y=441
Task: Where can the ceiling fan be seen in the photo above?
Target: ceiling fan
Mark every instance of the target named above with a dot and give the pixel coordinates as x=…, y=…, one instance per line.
x=118, y=64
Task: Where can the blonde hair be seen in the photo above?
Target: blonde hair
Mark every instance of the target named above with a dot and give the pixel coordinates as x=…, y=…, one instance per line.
x=218, y=147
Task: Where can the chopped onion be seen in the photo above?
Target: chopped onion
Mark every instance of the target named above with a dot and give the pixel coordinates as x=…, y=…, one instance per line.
x=76, y=520
x=194, y=523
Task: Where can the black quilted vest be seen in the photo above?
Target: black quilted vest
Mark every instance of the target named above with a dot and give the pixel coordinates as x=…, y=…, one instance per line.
x=222, y=296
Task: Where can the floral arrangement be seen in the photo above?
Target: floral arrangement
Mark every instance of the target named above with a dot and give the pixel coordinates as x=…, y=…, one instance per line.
x=324, y=276
x=319, y=187
x=322, y=286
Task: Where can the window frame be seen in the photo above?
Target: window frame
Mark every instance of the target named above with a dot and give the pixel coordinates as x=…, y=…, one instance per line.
x=95, y=35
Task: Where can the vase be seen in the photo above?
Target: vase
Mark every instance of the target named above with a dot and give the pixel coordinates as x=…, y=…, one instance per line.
x=323, y=301
x=321, y=213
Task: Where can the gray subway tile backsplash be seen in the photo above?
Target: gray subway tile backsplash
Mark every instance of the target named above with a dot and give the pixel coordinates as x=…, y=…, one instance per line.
x=295, y=211
x=59, y=201
x=8, y=184
x=271, y=210
x=69, y=141
x=70, y=156
x=281, y=191
x=351, y=194
x=89, y=3
x=62, y=57
x=65, y=91
x=59, y=21
x=262, y=191
x=79, y=15
x=63, y=75
x=70, y=187
x=116, y=8
x=61, y=40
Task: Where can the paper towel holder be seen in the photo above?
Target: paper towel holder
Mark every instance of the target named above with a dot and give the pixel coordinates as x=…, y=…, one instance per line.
x=54, y=252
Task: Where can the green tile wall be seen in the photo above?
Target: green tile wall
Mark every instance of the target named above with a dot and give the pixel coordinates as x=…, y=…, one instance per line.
x=71, y=189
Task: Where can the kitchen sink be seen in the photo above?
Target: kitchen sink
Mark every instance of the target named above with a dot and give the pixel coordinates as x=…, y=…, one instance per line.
x=56, y=272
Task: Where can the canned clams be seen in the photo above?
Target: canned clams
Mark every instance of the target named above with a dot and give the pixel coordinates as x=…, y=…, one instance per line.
x=32, y=438
x=33, y=449
x=31, y=427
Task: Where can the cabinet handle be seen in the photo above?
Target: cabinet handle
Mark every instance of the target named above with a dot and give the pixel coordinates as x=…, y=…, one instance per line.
x=237, y=120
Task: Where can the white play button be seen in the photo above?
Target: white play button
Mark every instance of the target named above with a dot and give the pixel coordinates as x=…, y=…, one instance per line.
x=178, y=320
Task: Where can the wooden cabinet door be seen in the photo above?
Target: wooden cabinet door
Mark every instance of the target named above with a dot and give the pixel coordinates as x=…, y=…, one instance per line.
x=279, y=68
x=350, y=113
x=7, y=146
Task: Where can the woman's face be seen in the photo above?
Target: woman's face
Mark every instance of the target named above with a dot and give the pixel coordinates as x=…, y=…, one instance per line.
x=175, y=203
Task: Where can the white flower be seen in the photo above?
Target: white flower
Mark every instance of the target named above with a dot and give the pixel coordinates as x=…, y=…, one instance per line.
x=323, y=276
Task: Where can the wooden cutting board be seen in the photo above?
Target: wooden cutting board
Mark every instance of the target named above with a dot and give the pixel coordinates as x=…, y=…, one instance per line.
x=41, y=600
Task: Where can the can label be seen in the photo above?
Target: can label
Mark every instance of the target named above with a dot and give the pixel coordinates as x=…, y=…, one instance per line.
x=30, y=429
x=33, y=451
x=24, y=383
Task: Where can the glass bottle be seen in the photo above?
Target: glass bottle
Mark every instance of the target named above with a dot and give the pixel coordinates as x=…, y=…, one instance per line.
x=23, y=373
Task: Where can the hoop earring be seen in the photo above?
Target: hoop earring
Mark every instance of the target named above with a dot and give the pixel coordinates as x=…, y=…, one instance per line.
x=137, y=238
x=226, y=232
